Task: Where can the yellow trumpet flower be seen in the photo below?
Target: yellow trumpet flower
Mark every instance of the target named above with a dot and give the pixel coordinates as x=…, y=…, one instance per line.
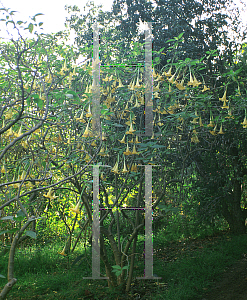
x=19, y=132
x=9, y=114
x=244, y=123
x=180, y=85
x=221, y=131
x=157, y=87
x=104, y=137
x=131, y=98
x=122, y=140
x=200, y=122
x=102, y=152
x=80, y=118
x=213, y=132
x=136, y=141
x=230, y=116
x=156, y=95
x=49, y=194
x=9, y=132
x=3, y=169
x=224, y=97
x=131, y=85
x=191, y=80
x=224, y=105
x=61, y=72
x=194, y=138
x=169, y=73
x=127, y=152
x=63, y=252
x=171, y=80
x=86, y=132
x=137, y=85
x=76, y=208
x=196, y=82
x=126, y=106
x=134, y=168
x=137, y=104
x=131, y=130
x=205, y=88
x=29, y=184
x=115, y=168
x=89, y=114
x=64, y=68
x=120, y=84
x=87, y=158
x=211, y=124
x=125, y=170
x=134, y=150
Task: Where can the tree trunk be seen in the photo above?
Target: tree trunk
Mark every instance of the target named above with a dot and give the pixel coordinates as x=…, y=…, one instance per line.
x=232, y=211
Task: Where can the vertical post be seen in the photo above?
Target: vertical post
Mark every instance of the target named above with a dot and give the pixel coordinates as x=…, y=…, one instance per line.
x=95, y=87
x=96, y=228
x=148, y=225
x=148, y=81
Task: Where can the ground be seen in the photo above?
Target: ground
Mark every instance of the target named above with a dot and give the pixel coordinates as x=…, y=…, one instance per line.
x=232, y=285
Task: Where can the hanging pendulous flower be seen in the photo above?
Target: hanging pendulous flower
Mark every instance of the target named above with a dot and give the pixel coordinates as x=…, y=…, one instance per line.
x=76, y=208
x=115, y=168
x=221, y=130
x=224, y=96
x=50, y=194
x=127, y=152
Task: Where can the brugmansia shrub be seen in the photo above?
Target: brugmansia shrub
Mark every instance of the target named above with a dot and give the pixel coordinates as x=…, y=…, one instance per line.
x=50, y=141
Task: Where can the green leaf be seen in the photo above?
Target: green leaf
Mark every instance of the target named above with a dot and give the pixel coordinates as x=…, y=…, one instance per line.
x=4, y=231
x=40, y=103
x=35, y=96
x=18, y=219
x=7, y=218
x=20, y=213
x=32, y=234
x=28, y=101
x=69, y=96
x=30, y=27
x=116, y=267
x=1, y=276
x=157, y=146
x=39, y=14
x=181, y=34
x=171, y=40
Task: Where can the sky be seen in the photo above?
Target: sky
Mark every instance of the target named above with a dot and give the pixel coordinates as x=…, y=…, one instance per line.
x=54, y=11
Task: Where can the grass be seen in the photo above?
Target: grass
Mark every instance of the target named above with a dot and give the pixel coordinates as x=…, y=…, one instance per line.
x=187, y=268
